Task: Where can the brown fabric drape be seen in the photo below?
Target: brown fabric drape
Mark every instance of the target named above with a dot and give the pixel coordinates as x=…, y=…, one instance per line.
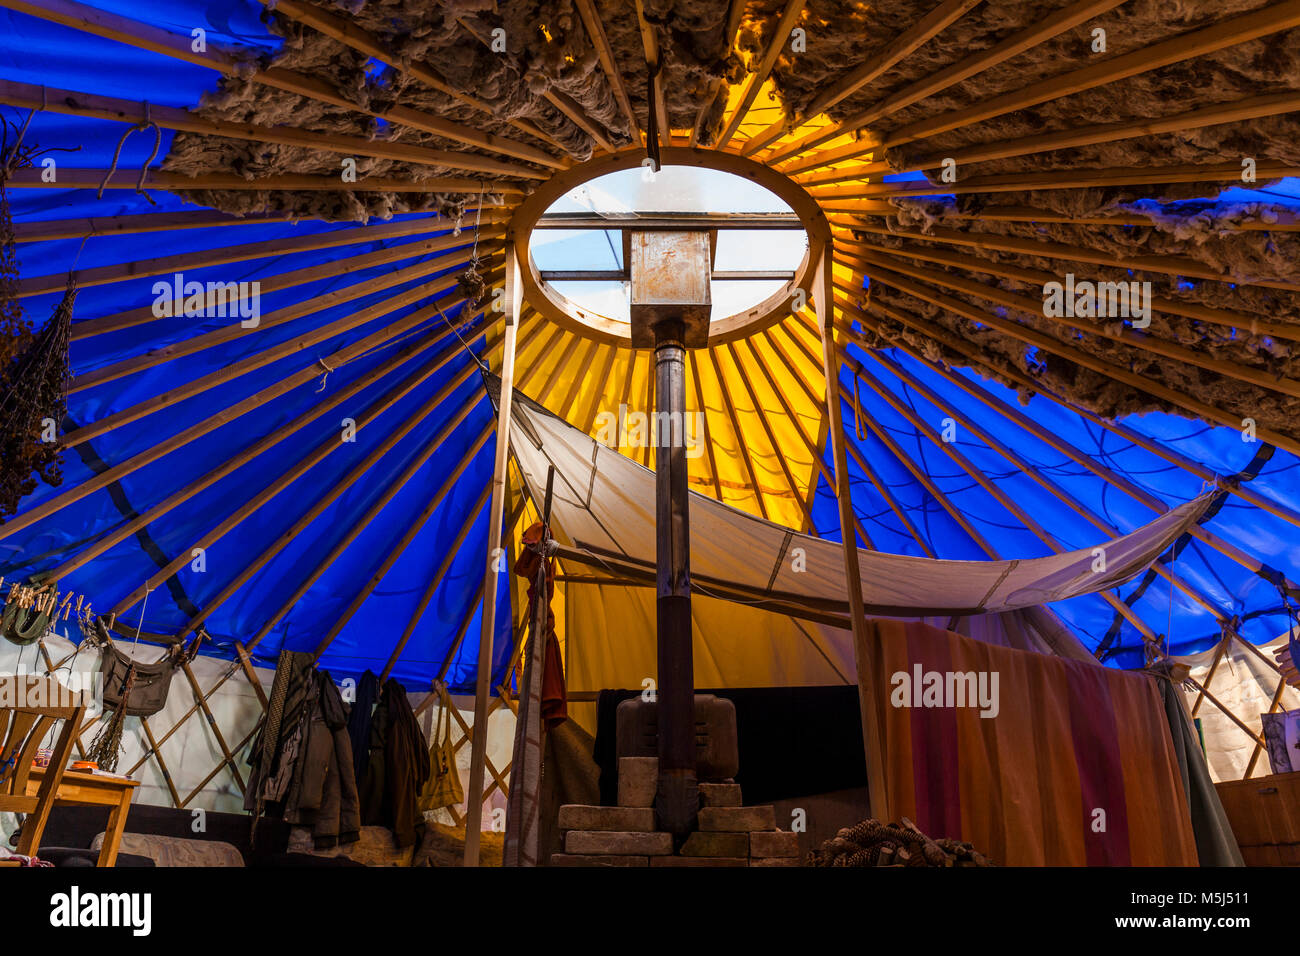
x=1076, y=768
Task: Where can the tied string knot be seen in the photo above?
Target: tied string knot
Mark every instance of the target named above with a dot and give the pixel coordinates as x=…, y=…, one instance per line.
x=325, y=377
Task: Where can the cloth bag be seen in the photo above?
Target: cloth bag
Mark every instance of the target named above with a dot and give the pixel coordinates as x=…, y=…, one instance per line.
x=145, y=691
x=443, y=788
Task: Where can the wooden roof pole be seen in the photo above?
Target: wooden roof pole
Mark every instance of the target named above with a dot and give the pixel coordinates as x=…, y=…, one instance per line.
x=338, y=549
x=493, y=573
x=1250, y=375
x=756, y=79
x=471, y=516
x=270, y=491
x=588, y=420
x=882, y=489
x=1217, y=36
x=115, y=109
x=693, y=366
x=1050, y=26
x=143, y=315
x=272, y=354
x=600, y=41
x=1220, y=614
x=50, y=229
x=1243, y=322
x=291, y=313
x=650, y=385
x=741, y=445
x=111, y=26
x=337, y=359
x=348, y=33
x=901, y=47
x=161, y=179
x=225, y=255
x=565, y=405
x=655, y=83
x=247, y=454
x=1233, y=111
x=997, y=493
x=869, y=686
x=1286, y=222
x=1227, y=173
x=809, y=526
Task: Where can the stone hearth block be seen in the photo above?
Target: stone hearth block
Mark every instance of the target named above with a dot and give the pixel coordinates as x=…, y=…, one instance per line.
x=716, y=844
x=775, y=861
x=638, y=779
x=737, y=819
x=616, y=842
x=575, y=859
x=575, y=816
x=720, y=795
x=773, y=843
x=698, y=861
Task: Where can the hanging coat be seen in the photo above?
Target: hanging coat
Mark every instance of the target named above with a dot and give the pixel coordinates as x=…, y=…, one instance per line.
x=398, y=768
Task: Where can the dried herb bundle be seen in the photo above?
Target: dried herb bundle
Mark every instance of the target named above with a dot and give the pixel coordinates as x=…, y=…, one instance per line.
x=33, y=403
x=34, y=370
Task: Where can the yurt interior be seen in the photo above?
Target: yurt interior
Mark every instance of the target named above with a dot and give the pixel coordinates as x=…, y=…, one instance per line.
x=649, y=434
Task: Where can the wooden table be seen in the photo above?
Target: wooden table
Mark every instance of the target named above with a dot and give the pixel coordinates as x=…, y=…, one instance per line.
x=81, y=789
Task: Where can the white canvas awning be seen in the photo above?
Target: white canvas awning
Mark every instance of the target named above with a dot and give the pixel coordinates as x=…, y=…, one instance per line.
x=603, y=516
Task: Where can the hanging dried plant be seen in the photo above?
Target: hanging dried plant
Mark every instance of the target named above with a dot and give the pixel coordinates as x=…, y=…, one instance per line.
x=33, y=404
x=34, y=370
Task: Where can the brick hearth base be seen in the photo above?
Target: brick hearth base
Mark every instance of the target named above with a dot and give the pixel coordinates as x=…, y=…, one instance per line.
x=729, y=834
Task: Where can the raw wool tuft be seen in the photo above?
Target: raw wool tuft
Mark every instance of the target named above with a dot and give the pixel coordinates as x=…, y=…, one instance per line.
x=698, y=68
x=447, y=38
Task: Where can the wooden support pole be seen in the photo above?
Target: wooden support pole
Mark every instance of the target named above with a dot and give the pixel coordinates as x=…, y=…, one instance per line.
x=868, y=691
x=493, y=569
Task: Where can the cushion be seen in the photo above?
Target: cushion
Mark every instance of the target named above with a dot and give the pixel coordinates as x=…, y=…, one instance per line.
x=69, y=856
x=176, y=851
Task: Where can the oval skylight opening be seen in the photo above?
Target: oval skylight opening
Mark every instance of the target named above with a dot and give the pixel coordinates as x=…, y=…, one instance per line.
x=578, y=246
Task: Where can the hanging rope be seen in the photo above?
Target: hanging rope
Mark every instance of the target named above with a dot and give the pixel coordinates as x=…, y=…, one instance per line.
x=324, y=378
x=146, y=124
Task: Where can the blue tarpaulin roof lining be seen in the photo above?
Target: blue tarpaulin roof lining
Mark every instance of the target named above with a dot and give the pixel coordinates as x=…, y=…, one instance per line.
x=1221, y=581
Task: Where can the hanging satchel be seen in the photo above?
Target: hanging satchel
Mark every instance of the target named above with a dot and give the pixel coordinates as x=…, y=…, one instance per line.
x=442, y=789
x=145, y=691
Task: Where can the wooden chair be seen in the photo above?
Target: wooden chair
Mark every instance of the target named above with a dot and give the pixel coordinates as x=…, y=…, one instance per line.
x=29, y=709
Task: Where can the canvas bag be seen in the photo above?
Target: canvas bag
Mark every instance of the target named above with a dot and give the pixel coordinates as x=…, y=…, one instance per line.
x=148, y=690
x=442, y=789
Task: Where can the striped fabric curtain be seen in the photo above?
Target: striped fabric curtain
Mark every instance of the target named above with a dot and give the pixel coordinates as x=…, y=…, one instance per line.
x=1034, y=759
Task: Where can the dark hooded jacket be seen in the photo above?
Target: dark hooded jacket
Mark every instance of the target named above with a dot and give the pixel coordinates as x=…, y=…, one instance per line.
x=398, y=768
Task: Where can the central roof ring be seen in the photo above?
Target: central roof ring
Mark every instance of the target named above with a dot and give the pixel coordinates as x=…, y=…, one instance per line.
x=584, y=321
